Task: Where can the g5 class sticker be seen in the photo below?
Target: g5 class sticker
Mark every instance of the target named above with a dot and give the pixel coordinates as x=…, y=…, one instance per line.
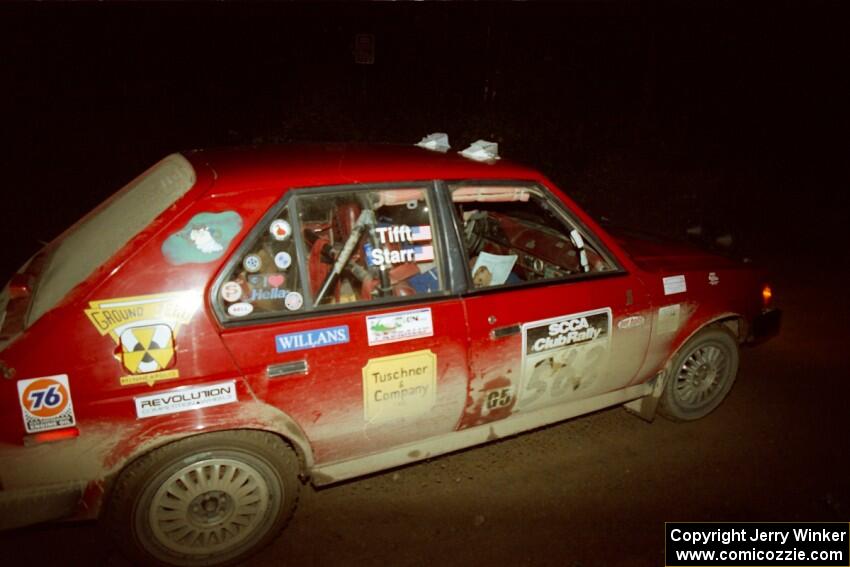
x=563, y=356
x=46, y=403
x=204, y=238
x=147, y=326
x=399, y=386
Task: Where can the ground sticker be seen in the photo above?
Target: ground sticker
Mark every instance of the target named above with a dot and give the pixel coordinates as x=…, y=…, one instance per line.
x=46, y=403
x=136, y=325
x=399, y=386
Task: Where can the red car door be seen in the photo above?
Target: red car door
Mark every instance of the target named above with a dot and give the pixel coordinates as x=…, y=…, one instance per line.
x=552, y=316
x=336, y=311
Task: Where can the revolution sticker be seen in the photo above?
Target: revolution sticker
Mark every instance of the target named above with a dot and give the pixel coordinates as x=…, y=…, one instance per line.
x=312, y=339
x=399, y=386
x=563, y=356
x=400, y=326
x=185, y=399
x=46, y=403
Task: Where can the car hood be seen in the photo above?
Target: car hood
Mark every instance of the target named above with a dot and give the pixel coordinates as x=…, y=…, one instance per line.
x=657, y=254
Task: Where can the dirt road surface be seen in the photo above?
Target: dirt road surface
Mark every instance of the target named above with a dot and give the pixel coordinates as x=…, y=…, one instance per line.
x=594, y=490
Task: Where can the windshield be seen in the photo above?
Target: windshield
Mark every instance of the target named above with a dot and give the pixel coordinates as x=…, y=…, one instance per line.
x=105, y=230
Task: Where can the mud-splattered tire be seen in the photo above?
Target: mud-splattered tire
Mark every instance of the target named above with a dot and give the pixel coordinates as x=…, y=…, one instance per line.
x=701, y=375
x=209, y=499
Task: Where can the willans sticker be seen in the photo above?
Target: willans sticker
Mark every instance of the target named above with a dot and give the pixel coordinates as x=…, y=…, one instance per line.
x=46, y=403
x=204, y=238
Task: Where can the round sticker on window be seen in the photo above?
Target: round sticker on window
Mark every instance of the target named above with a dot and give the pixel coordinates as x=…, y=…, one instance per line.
x=282, y=260
x=280, y=229
x=231, y=291
x=240, y=309
x=252, y=263
x=293, y=301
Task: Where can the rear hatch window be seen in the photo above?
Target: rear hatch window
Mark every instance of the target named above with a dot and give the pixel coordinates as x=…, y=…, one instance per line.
x=76, y=253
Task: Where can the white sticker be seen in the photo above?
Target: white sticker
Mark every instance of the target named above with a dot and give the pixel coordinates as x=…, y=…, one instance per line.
x=280, y=229
x=400, y=326
x=713, y=279
x=46, y=403
x=252, y=263
x=231, y=291
x=240, y=309
x=293, y=301
x=631, y=322
x=282, y=260
x=186, y=399
x=674, y=284
x=668, y=318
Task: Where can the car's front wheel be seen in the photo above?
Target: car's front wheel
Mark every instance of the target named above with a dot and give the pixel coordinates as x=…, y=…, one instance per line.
x=205, y=500
x=701, y=375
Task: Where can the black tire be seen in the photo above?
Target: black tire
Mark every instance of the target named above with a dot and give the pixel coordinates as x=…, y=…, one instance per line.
x=209, y=499
x=702, y=373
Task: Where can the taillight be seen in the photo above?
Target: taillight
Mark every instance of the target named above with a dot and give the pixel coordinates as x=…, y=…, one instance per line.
x=766, y=295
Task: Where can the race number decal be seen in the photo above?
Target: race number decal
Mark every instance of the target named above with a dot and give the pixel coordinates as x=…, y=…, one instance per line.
x=46, y=403
x=564, y=356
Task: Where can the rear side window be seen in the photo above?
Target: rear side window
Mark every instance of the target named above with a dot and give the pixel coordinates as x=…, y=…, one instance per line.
x=328, y=248
x=105, y=230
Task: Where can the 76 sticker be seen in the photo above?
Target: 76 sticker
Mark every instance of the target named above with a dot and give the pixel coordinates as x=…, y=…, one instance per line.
x=46, y=403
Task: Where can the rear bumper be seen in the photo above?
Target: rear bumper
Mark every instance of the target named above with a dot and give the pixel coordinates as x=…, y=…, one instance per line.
x=765, y=326
x=27, y=506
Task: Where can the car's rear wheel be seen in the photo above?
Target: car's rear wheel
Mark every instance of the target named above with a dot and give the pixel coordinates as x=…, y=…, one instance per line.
x=206, y=500
x=701, y=375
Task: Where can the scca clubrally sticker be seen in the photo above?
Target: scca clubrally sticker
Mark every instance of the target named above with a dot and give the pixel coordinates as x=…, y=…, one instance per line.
x=114, y=317
x=563, y=356
x=46, y=403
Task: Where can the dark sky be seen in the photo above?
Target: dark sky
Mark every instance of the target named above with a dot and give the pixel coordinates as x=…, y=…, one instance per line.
x=690, y=109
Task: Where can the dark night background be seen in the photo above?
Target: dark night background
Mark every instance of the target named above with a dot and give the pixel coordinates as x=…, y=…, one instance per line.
x=657, y=115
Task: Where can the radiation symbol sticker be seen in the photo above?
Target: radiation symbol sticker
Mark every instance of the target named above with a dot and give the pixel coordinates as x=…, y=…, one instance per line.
x=147, y=349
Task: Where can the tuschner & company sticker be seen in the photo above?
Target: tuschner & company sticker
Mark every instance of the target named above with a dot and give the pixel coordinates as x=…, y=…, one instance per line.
x=399, y=386
x=186, y=399
x=46, y=403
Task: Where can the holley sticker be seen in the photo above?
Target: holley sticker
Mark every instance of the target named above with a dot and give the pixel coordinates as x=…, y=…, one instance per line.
x=399, y=326
x=46, y=403
x=186, y=399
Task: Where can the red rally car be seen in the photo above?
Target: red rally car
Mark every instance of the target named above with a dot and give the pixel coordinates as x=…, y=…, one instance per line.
x=233, y=323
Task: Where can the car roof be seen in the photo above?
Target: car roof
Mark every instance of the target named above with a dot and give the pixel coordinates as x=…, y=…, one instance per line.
x=306, y=165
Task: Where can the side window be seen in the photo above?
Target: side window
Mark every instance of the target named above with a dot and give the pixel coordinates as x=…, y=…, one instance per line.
x=516, y=234
x=345, y=246
x=266, y=277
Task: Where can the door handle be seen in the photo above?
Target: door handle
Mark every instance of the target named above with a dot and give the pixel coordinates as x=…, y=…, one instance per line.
x=287, y=369
x=503, y=332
